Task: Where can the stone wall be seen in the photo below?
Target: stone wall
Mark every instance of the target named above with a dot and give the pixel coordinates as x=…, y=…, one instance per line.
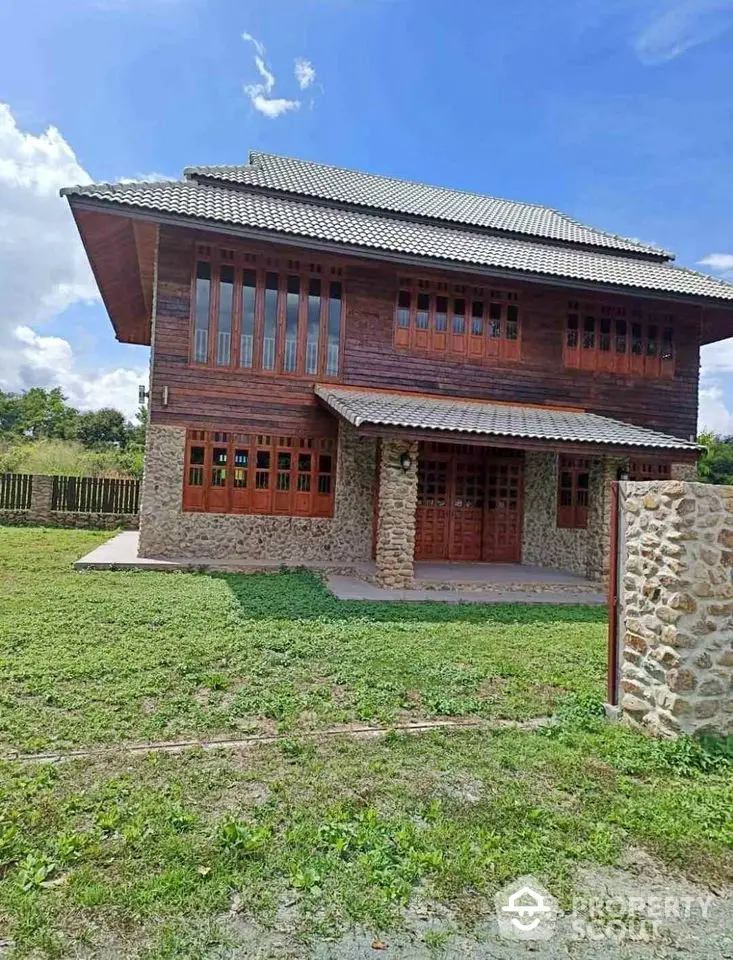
x=396, y=520
x=167, y=532
x=584, y=552
x=676, y=618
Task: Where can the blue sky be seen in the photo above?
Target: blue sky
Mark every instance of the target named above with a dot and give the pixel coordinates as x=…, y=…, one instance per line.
x=615, y=111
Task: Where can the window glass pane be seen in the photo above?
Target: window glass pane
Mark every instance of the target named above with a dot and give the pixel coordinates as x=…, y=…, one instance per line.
x=604, y=340
x=620, y=336
x=324, y=463
x=637, y=340
x=263, y=459
x=589, y=333
x=477, y=318
x=512, y=322
x=262, y=471
x=197, y=455
x=292, y=302
x=224, y=325
x=668, y=344
x=403, y=310
x=324, y=484
x=423, y=311
x=459, y=316
x=441, y=314
x=283, y=461
x=201, y=318
x=334, y=329
x=241, y=462
x=314, y=326
x=494, y=320
x=218, y=469
x=270, y=325
x=651, y=340
x=573, y=330
x=249, y=292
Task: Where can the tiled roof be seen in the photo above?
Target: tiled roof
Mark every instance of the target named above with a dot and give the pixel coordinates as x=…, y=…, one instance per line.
x=356, y=230
x=419, y=412
x=335, y=184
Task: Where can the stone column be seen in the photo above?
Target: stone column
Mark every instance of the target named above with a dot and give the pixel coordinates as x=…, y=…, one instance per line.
x=41, y=493
x=599, y=517
x=684, y=471
x=677, y=622
x=396, y=522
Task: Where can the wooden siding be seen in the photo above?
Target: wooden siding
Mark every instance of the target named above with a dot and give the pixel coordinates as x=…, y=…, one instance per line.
x=251, y=401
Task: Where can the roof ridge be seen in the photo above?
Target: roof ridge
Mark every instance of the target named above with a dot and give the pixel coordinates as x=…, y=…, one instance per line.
x=255, y=154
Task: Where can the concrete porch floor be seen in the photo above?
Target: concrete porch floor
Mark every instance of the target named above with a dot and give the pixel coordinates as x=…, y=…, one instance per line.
x=434, y=581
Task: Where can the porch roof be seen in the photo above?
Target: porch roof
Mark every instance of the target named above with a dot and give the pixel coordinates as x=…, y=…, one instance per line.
x=383, y=411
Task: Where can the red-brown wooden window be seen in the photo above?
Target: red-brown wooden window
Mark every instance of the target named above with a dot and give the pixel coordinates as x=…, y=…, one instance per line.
x=464, y=321
x=649, y=470
x=573, y=491
x=230, y=472
x=258, y=313
x=608, y=339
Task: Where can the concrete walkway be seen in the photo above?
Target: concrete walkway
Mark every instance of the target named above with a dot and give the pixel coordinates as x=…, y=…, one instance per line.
x=435, y=582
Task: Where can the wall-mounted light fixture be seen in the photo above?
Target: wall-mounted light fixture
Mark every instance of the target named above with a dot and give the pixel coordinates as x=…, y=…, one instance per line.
x=405, y=461
x=165, y=396
x=622, y=473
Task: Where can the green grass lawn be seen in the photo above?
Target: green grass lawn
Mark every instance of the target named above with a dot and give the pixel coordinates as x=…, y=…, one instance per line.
x=103, y=657
x=195, y=854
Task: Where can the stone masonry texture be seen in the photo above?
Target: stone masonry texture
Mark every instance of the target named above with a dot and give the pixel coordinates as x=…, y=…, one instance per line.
x=396, y=518
x=676, y=618
x=583, y=552
x=167, y=532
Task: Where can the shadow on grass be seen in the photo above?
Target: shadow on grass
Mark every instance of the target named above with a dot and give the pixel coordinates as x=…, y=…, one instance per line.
x=303, y=596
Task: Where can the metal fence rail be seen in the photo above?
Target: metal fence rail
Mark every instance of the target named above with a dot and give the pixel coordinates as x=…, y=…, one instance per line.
x=95, y=495
x=15, y=491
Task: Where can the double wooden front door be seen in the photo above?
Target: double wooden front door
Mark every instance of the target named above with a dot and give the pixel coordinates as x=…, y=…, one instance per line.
x=469, y=504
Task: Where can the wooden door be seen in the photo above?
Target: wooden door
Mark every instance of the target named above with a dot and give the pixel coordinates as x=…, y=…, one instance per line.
x=502, y=537
x=432, y=521
x=467, y=509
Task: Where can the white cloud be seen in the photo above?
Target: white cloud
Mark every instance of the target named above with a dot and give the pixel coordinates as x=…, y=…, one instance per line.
x=678, y=25
x=259, y=93
x=43, y=268
x=716, y=358
x=720, y=262
x=304, y=73
x=714, y=414
x=28, y=359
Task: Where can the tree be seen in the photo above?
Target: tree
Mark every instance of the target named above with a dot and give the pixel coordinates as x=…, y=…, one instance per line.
x=101, y=428
x=716, y=465
x=37, y=414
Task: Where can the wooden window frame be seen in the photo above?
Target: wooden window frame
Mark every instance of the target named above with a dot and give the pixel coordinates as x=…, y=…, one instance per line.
x=259, y=486
x=615, y=325
x=243, y=262
x=649, y=470
x=467, y=344
x=573, y=515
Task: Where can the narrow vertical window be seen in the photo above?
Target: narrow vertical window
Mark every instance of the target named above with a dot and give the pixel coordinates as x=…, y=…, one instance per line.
x=201, y=318
x=196, y=467
x=219, y=465
x=262, y=470
x=494, y=320
x=226, y=309
x=667, y=344
x=477, y=318
x=621, y=336
x=604, y=340
x=637, y=339
x=459, y=316
x=334, y=329
x=589, y=333
x=270, y=325
x=403, y=310
x=652, y=334
x=314, y=326
x=423, y=311
x=249, y=297
x=292, y=305
x=512, y=322
x=572, y=335
x=441, y=314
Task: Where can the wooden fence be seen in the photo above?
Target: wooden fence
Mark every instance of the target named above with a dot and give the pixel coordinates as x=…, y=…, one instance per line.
x=16, y=490
x=95, y=495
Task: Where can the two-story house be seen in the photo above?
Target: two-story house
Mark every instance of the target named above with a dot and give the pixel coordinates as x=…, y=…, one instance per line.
x=346, y=366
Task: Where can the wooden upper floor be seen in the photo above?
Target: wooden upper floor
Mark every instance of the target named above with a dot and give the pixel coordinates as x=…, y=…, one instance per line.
x=242, y=331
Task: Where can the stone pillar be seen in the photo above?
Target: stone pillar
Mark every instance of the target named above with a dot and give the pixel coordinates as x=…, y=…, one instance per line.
x=604, y=472
x=41, y=493
x=396, y=521
x=677, y=607
x=162, y=492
